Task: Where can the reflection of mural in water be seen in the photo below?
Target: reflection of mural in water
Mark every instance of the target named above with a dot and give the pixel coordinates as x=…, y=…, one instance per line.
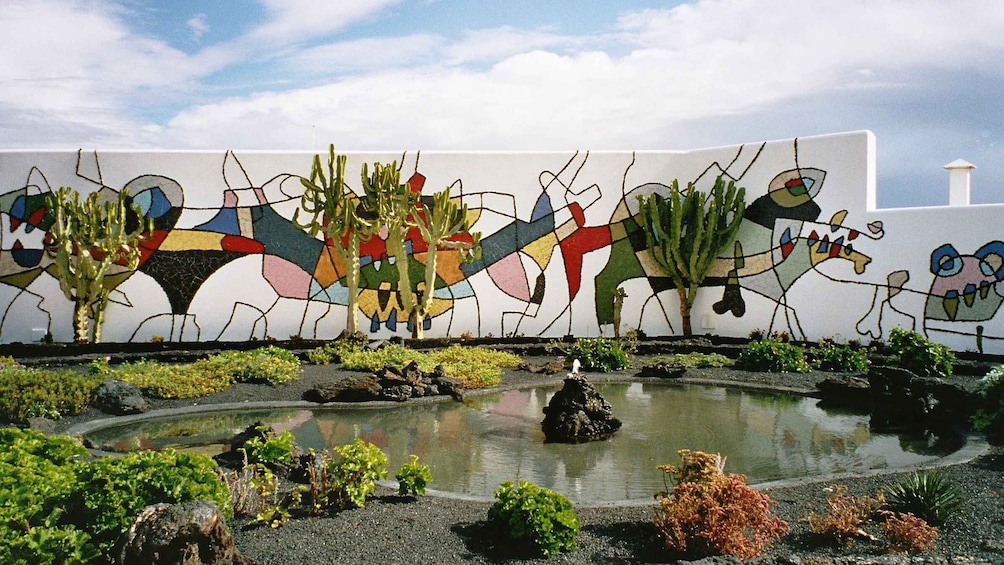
x=559, y=236
x=473, y=448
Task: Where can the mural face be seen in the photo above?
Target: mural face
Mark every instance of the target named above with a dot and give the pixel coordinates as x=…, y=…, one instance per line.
x=559, y=238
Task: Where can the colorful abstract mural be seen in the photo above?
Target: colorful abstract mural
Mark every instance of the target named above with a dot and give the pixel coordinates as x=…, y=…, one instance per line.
x=559, y=239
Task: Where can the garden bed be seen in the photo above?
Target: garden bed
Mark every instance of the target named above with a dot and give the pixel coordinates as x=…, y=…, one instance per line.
x=442, y=529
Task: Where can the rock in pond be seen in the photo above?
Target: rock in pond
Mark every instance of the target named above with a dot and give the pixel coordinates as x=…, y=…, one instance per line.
x=577, y=413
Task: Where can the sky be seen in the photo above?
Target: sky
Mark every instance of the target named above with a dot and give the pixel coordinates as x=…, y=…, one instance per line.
x=926, y=76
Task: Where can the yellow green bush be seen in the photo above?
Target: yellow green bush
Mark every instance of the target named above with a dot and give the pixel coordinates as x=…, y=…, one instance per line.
x=30, y=393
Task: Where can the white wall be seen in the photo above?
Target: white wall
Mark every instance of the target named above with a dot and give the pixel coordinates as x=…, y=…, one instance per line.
x=883, y=279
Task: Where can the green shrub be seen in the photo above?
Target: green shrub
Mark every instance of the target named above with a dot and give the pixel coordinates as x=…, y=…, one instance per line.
x=30, y=393
x=270, y=364
x=929, y=496
x=918, y=355
x=37, y=473
x=413, y=477
x=773, y=355
x=598, y=354
x=174, y=381
x=112, y=490
x=353, y=476
x=990, y=417
x=475, y=367
x=710, y=513
x=271, y=449
x=540, y=518
x=842, y=358
x=693, y=360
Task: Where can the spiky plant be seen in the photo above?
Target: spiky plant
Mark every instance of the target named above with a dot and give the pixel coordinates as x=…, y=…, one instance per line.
x=341, y=217
x=439, y=225
x=927, y=495
x=88, y=240
x=687, y=230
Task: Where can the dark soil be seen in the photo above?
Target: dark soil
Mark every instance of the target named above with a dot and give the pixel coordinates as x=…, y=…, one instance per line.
x=442, y=529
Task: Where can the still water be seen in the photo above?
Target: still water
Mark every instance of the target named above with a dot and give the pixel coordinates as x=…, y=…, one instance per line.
x=473, y=447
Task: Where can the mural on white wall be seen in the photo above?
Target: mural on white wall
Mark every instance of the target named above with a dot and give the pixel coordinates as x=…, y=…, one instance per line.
x=559, y=237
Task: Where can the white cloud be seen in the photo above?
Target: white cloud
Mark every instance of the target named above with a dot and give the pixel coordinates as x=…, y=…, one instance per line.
x=198, y=24
x=291, y=21
x=368, y=54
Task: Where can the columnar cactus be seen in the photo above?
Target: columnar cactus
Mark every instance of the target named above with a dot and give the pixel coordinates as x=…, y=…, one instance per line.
x=438, y=225
x=341, y=217
x=86, y=240
x=395, y=205
x=686, y=231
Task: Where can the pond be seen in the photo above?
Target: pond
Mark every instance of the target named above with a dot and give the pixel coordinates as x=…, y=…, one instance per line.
x=473, y=447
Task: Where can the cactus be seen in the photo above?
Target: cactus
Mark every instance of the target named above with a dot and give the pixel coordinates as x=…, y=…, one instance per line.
x=86, y=239
x=343, y=219
x=440, y=223
x=686, y=231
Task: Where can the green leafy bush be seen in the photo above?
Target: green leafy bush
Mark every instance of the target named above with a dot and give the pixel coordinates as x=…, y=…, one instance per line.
x=695, y=360
x=842, y=358
x=353, y=476
x=710, y=513
x=540, y=518
x=918, y=355
x=30, y=393
x=270, y=364
x=36, y=476
x=927, y=495
x=270, y=449
x=598, y=354
x=413, y=477
x=174, y=381
x=110, y=491
x=990, y=417
x=773, y=355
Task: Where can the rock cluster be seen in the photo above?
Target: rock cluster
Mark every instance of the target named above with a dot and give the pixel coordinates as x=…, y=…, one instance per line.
x=577, y=413
x=192, y=533
x=899, y=399
x=119, y=398
x=389, y=383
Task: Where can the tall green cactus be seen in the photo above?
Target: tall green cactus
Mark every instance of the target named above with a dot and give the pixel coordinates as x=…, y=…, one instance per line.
x=686, y=231
x=395, y=204
x=437, y=226
x=341, y=217
x=86, y=240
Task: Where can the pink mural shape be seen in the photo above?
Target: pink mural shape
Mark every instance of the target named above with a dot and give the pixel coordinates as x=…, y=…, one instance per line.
x=510, y=277
x=288, y=280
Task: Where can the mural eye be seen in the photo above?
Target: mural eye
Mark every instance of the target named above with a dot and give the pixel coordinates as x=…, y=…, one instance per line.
x=991, y=258
x=945, y=261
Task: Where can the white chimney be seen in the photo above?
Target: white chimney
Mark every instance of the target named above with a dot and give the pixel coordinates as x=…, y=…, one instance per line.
x=958, y=182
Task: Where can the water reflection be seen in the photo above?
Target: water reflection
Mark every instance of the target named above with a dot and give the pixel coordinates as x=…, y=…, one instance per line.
x=472, y=448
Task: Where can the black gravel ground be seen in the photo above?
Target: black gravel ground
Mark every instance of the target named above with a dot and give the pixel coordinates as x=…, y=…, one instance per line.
x=442, y=529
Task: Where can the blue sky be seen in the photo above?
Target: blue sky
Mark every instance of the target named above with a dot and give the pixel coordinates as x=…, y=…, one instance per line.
x=925, y=75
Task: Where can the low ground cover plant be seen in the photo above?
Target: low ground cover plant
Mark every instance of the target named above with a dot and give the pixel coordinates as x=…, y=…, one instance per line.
x=917, y=354
x=710, y=513
x=46, y=393
x=694, y=360
x=773, y=355
x=353, y=476
x=475, y=367
x=907, y=533
x=270, y=448
x=270, y=364
x=598, y=354
x=538, y=518
x=846, y=515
